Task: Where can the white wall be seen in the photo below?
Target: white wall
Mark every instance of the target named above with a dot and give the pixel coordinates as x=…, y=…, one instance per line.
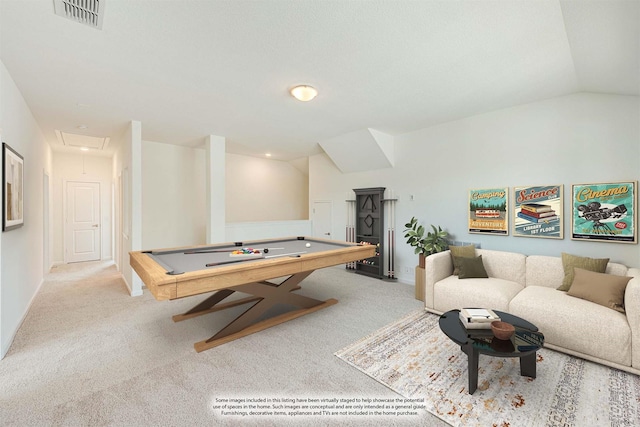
x=68, y=167
x=173, y=202
x=580, y=138
x=127, y=177
x=21, y=258
x=265, y=190
x=174, y=193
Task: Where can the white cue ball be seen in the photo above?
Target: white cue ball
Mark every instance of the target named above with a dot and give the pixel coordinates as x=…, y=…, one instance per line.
x=308, y=245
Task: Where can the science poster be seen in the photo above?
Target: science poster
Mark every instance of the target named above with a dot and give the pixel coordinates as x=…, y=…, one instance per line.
x=488, y=211
x=605, y=212
x=538, y=211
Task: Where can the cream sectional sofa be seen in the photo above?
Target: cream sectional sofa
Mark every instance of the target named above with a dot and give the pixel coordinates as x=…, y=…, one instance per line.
x=526, y=286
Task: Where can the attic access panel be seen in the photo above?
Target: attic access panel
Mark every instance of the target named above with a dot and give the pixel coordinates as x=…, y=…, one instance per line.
x=75, y=140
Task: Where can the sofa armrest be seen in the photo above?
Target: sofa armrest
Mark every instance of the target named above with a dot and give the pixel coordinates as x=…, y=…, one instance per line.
x=437, y=267
x=632, y=308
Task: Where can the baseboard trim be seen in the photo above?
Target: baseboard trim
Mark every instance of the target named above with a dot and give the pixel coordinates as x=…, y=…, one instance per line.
x=133, y=294
x=4, y=349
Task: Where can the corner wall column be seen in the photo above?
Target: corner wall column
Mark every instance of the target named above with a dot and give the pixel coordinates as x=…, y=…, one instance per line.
x=136, y=201
x=216, y=159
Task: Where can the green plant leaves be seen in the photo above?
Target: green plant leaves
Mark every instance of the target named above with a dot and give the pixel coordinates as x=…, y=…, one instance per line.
x=435, y=241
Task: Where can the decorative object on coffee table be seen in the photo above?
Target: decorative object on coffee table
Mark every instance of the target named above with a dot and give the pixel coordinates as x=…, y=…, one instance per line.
x=502, y=330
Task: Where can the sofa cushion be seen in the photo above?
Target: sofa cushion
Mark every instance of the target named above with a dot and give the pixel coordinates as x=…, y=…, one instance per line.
x=451, y=293
x=509, y=266
x=617, y=269
x=604, y=289
x=575, y=324
x=544, y=271
x=471, y=268
x=569, y=262
x=458, y=252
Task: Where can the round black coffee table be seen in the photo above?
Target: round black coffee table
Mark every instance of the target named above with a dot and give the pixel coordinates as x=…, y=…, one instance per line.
x=523, y=344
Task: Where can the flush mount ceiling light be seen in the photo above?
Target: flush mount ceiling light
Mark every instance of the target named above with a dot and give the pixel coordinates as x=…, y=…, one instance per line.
x=304, y=93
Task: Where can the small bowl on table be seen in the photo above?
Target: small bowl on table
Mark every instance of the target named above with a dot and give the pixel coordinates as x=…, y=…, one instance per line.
x=502, y=330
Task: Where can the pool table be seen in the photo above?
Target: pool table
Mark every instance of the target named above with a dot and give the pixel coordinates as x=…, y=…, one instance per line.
x=183, y=272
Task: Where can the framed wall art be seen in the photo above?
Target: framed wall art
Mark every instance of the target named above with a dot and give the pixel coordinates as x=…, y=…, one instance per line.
x=537, y=211
x=604, y=212
x=12, y=188
x=488, y=211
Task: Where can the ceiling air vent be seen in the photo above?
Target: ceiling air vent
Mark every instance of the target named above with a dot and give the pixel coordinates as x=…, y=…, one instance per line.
x=89, y=12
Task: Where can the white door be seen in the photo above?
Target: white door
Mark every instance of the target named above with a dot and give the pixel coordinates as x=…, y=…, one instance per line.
x=82, y=231
x=322, y=219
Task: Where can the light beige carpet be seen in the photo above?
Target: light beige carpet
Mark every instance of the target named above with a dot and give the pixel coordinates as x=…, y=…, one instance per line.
x=88, y=354
x=415, y=359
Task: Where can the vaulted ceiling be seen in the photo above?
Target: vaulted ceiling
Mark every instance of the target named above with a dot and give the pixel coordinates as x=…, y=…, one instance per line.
x=187, y=68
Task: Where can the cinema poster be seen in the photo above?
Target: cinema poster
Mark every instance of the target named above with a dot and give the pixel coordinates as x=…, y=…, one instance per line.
x=605, y=212
x=488, y=211
x=537, y=211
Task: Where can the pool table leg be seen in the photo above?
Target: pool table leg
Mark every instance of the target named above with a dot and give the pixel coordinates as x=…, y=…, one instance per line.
x=268, y=295
x=211, y=305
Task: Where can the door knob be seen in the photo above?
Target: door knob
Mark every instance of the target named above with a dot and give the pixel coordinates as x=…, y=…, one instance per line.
x=95, y=225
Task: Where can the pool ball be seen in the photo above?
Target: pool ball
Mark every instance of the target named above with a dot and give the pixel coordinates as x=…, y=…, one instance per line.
x=308, y=245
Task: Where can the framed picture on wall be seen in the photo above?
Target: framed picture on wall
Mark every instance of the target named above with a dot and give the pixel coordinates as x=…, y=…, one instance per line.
x=488, y=211
x=537, y=211
x=605, y=212
x=12, y=188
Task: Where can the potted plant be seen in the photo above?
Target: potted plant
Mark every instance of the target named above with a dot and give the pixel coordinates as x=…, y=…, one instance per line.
x=433, y=242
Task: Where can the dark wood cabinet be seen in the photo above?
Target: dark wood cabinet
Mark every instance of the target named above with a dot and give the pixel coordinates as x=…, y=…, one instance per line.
x=370, y=229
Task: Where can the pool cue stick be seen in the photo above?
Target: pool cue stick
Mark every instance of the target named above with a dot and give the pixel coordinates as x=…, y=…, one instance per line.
x=209, y=251
x=393, y=233
x=219, y=251
x=349, y=229
x=354, y=227
x=393, y=236
x=213, y=264
x=283, y=255
x=387, y=205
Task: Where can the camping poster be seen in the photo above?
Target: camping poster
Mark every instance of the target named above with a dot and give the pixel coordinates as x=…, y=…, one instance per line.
x=604, y=212
x=538, y=211
x=488, y=211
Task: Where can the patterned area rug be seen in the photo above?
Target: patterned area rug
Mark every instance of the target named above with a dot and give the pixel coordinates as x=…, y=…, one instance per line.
x=415, y=359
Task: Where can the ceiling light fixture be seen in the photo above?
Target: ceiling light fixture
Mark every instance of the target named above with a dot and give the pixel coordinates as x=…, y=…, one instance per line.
x=268, y=154
x=84, y=149
x=304, y=93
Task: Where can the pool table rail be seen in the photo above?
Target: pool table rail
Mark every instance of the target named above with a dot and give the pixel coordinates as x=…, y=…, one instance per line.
x=164, y=286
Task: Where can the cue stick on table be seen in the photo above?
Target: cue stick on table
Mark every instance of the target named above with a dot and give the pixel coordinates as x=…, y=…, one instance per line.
x=213, y=264
x=221, y=251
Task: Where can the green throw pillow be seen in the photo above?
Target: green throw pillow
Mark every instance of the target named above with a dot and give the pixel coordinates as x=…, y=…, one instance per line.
x=458, y=252
x=569, y=262
x=472, y=268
